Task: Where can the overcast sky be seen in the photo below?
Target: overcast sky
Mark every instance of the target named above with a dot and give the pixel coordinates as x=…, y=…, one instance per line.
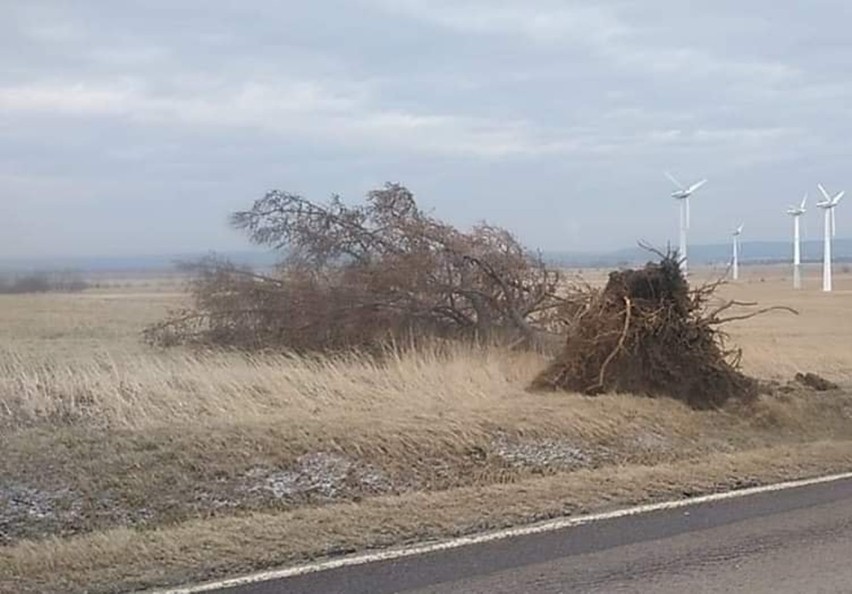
x=136, y=127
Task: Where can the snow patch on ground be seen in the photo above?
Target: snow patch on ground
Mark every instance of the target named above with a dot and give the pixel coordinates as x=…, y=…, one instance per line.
x=547, y=453
x=323, y=474
x=651, y=441
x=24, y=506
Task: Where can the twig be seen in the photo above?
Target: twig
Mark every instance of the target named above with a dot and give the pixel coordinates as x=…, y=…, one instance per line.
x=618, y=347
x=650, y=248
x=753, y=314
x=728, y=305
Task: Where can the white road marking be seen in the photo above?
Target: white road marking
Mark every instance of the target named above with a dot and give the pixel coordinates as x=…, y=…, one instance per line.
x=455, y=543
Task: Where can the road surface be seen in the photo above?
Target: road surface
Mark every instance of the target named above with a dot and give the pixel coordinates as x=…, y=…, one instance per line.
x=797, y=540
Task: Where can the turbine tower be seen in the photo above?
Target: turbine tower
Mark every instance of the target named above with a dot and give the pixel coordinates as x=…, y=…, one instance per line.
x=796, y=212
x=682, y=195
x=828, y=205
x=736, y=266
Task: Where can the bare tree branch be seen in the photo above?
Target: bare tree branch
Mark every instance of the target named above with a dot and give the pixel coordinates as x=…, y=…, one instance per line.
x=353, y=276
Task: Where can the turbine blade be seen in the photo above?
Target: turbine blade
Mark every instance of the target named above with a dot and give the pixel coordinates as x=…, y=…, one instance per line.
x=674, y=180
x=838, y=197
x=696, y=185
x=804, y=200
x=824, y=193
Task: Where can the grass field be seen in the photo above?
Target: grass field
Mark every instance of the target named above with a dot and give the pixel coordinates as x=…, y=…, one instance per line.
x=126, y=467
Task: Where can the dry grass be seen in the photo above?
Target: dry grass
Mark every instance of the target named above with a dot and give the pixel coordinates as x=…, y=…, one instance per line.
x=121, y=560
x=777, y=346
x=100, y=434
x=76, y=327
x=138, y=391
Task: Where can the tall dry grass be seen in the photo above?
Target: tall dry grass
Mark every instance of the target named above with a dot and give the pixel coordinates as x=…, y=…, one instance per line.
x=78, y=358
x=133, y=391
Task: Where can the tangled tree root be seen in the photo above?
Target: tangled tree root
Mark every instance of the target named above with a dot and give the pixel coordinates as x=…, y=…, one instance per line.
x=648, y=333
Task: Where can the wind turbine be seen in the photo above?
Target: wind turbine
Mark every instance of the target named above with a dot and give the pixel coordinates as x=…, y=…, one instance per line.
x=682, y=195
x=736, y=267
x=828, y=205
x=796, y=212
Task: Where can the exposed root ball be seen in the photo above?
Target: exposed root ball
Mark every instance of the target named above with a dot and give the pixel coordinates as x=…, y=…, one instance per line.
x=648, y=333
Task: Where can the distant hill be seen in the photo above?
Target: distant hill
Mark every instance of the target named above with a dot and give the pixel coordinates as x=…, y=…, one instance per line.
x=130, y=264
x=753, y=252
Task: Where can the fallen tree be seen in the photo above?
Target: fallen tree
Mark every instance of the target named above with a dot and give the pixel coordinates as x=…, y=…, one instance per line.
x=359, y=276
x=648, y=333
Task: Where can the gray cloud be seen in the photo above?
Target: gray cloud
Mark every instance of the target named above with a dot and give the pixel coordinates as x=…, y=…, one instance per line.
x=137, y=127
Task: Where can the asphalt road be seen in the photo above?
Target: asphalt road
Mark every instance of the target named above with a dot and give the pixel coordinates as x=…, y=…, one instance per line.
x=796, y=541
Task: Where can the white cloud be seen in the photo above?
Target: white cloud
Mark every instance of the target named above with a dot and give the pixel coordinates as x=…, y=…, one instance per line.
x=307, y=109
x=73, y=99
x=45, y=23
x=546, y=23
x=542, y=21
x=596, y=27
x=130, y=56
x=353, y=119
x=686, y=64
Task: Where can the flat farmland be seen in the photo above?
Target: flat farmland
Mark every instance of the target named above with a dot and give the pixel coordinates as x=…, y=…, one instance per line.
x=127, y=467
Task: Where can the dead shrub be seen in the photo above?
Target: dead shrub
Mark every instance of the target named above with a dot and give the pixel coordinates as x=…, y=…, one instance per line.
x=648, y=333
x=361, y=276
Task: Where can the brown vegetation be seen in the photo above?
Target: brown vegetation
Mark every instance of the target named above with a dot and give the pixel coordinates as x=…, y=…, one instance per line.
x=173, y=465
x=648, y=333
x=63, y=282
x=365, y=277
x=358, y=277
